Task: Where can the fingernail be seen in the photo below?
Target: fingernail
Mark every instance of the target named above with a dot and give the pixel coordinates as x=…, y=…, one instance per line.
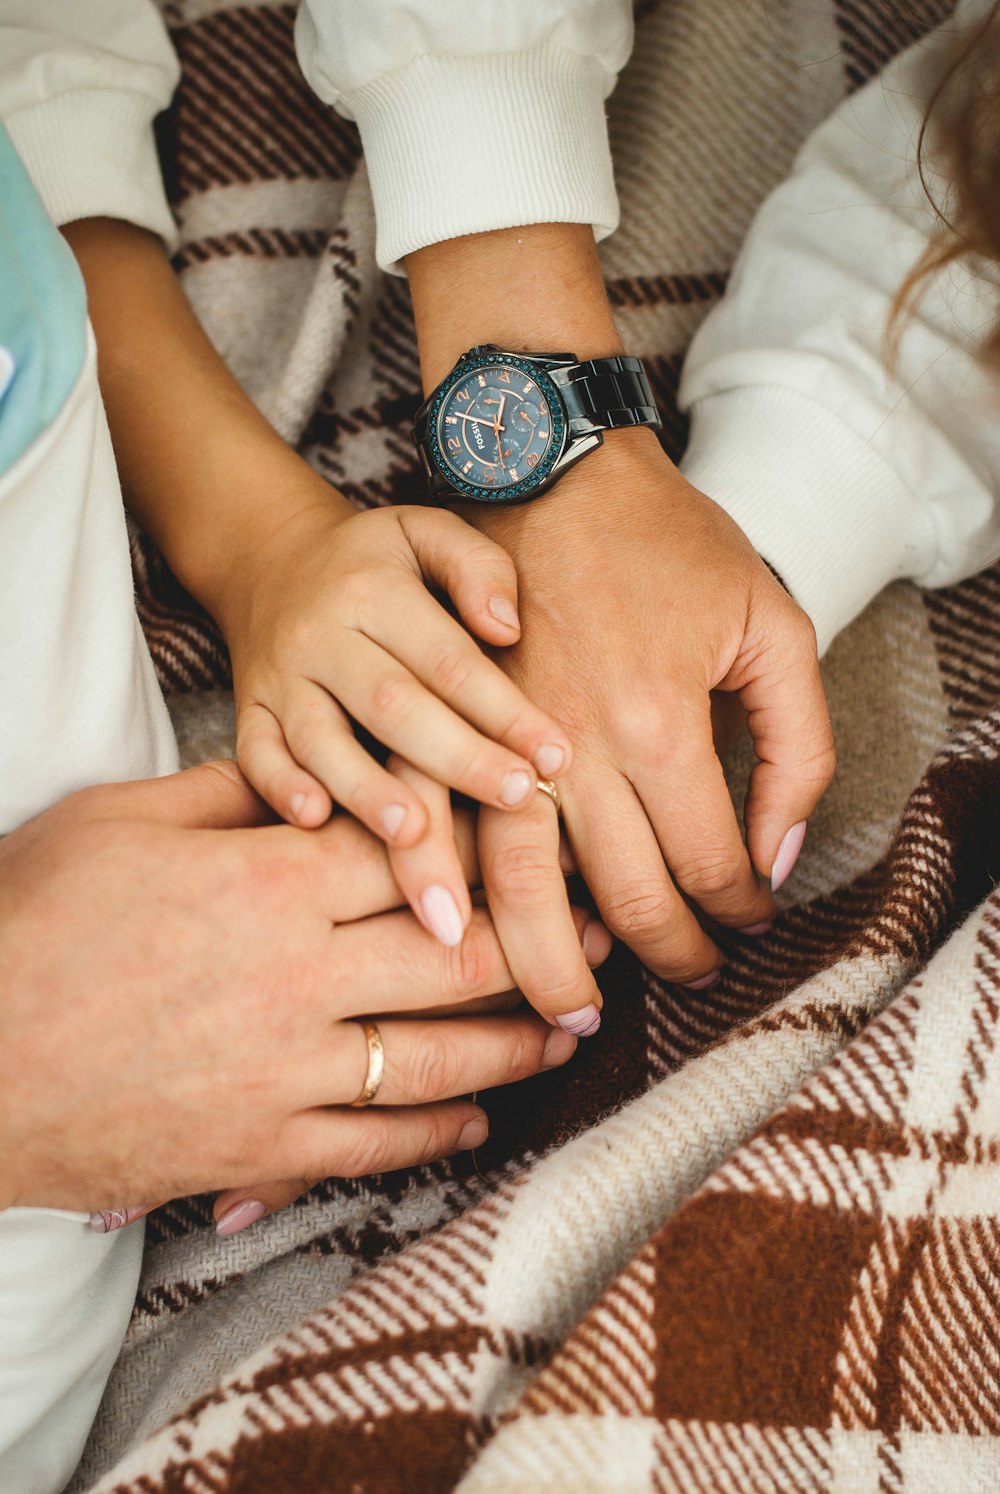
x=757, y=928
x=239, y=1217
x=583, y=1023
x=504, y=612
x=559, y=1046
x=391, y=818
x=705, y=982
x=473, y=1133
x=550, y=760
x=297, y=803
x=788, y=854
x=516, y=787
x=106, y=1221
x=443, y=918
x=596, y=942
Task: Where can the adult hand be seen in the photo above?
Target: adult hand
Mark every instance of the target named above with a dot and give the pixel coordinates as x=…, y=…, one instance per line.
x=181, y=981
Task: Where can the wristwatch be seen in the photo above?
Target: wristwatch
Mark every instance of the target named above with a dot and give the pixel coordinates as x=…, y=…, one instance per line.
x=503, y=427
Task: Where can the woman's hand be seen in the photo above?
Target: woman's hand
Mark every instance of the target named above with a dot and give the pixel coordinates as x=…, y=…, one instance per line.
x=182, y=987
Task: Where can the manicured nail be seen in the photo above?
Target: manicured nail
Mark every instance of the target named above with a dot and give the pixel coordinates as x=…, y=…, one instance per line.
x=443, y=918
x=391, y=818
x=516, y=787
x=596, y=942
x=559, y=1046
x=504, y=612
x=550, y=760
x=788, y=854
x=297, y=803
x=705, y=982
x=757, y=928
x=583, y=1023
x=239, y=1217
x=473, y=1134
x=106, y=1221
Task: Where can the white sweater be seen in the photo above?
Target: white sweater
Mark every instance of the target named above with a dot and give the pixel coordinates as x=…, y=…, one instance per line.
x=841, y=479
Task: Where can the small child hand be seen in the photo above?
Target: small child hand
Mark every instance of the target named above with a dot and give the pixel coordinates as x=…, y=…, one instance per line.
x=337, y=623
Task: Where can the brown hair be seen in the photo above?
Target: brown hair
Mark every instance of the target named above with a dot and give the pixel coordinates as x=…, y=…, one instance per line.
x=964, y=115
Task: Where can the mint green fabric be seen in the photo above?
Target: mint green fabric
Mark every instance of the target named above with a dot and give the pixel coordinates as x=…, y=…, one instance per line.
x=43, y=311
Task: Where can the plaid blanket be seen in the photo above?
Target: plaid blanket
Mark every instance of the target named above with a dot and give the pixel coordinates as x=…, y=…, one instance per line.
x=750, y=1238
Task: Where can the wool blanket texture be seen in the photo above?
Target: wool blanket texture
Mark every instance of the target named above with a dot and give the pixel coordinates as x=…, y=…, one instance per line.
x=749, y=1239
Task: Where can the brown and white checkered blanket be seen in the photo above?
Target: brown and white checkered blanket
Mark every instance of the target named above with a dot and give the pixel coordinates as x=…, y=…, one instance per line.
x=750, y=1239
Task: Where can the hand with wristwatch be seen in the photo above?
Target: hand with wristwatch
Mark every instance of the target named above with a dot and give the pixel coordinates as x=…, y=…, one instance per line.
x=643, y=606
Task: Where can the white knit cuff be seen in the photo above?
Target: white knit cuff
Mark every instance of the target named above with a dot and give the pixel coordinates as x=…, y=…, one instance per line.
x=458, y=145
x=92, y=154
x=820, y=506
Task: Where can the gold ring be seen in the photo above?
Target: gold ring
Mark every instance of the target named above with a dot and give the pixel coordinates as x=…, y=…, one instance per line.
x=376, y=1063
x=546, y=786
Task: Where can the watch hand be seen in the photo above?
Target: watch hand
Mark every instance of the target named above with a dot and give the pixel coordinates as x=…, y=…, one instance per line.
x=475, y=419
x=497, y=428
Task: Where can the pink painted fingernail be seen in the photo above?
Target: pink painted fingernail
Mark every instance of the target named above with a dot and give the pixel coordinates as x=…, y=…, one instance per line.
x=297, y=803
x=583, y=1023
x=392, y=818
x=504, y=612
x=516, y=787
x=550, y=760
x=239, y=1217
x=788, y=854
x=443, y=918
x=473, y=1134
x=705, y=982
x=106, y=1221
x=757, y=928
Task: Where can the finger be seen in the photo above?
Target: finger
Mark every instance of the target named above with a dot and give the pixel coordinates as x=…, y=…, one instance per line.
x=360, y=1143
x=106, y=1221
x=426, y=1061
x=430, y=874
x=622, y=864
x=397, y=709
x=263, y=755
x=793, y=740
x=477, y=573
x=320, y=739
x=213, y=796
x=683, y=790
x=529, y=904
x=420, y=635
x=237, y=1208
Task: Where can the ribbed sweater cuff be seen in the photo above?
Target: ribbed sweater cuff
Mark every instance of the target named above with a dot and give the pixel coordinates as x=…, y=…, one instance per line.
x=827, y=513
x=458, y=145
x=92, y=153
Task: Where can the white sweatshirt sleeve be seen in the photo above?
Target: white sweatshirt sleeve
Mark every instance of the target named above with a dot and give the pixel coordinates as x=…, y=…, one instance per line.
x=80, y=84
x=473, y=115
x=844, y=478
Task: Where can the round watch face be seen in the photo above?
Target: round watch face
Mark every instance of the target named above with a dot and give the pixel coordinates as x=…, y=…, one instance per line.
x=498, y=427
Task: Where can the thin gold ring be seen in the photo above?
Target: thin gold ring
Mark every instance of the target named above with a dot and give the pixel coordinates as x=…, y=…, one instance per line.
x=546, y=786
x=376, y=1063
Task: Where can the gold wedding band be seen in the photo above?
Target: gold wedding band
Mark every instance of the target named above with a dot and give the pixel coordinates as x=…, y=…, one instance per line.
x=376, y=1063
x=546, y=786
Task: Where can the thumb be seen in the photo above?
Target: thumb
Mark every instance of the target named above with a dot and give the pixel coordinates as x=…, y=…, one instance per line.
x=782, y=693
x=213, y=796
x=477, y=574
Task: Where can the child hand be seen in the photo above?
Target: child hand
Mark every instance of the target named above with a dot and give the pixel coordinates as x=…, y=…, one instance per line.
x=337, y=622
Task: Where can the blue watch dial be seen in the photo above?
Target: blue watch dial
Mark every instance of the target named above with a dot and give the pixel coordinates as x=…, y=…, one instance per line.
x=495, y=428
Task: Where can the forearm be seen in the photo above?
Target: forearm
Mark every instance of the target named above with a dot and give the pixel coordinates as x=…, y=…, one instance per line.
x=201, y=469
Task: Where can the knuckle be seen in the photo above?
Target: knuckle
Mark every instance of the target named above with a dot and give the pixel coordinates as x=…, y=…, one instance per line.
x=639, y=911
x=712, y=874
x=522, y=871
x=449, y=668
x=642, y=725
x=369, y=1149
x=474, y=964
x=393, y=700
x=430, y=1071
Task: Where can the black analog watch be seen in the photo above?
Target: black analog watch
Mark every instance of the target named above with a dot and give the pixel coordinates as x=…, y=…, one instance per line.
x=503, y=427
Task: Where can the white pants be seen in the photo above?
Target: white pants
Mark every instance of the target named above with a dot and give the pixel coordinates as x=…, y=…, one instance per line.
x=80, y=705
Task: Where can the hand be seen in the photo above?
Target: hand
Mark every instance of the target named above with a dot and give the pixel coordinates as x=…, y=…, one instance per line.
x=335, y=621
x=181, y=986
x=628, y=634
